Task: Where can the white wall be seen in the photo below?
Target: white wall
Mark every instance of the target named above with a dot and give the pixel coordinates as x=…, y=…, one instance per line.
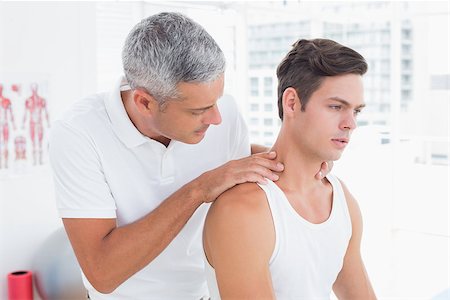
x=55, y=40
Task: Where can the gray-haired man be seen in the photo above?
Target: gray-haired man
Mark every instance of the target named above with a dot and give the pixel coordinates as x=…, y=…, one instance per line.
x=133, y=168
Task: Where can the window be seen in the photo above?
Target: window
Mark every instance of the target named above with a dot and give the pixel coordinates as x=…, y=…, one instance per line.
x=440, y=82
x=268, y=107
x=268, y=122
x=254, y=107
x=406, y=34
x=268, y=86
x=406, y=65
x=254, y=121
x=254, y=86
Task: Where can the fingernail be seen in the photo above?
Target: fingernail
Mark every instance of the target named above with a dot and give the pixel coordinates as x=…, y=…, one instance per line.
x=276, y=177
x=272, y=152
x=320, y=174
x=280, y=165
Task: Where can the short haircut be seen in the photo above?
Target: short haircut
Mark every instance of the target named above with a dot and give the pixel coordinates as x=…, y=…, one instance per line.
x=166, y=49
x=309, y=62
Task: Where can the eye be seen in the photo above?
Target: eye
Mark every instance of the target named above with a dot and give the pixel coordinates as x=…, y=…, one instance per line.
x=357, y=111
x=336, y=107
x=198, y=112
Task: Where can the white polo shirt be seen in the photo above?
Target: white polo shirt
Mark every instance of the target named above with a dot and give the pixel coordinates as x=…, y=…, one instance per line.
x=105, y=168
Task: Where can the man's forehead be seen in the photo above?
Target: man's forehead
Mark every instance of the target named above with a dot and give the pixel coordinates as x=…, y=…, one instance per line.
x=345, y=88
x=198, y=95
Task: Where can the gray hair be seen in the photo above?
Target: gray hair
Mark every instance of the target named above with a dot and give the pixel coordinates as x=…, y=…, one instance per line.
x=166, y=49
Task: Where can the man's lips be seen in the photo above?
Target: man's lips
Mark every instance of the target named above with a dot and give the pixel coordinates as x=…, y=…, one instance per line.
x=201, y=131
x=340, y=142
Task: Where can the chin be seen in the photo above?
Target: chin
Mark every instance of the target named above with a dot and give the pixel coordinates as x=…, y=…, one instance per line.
x=192, y=140
x=332, y=156
x=335, y=157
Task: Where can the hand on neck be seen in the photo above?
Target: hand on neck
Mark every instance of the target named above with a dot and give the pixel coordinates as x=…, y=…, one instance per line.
x=300, y=167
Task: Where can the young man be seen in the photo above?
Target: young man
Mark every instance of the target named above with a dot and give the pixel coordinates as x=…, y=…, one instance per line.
x=298, y=238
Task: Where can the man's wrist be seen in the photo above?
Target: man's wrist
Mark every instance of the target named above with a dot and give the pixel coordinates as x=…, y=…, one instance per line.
x=198, y=191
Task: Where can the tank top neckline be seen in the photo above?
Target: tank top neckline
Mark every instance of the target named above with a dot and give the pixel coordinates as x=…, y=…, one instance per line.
x=298, y=217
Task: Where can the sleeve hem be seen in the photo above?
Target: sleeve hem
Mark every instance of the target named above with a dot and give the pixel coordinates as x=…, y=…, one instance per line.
x=100, y=214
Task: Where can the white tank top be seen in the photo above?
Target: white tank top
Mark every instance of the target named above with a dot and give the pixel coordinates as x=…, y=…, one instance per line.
x=307, y=257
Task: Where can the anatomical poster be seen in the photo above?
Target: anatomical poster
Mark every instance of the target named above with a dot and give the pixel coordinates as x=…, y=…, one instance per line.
x=24, y=124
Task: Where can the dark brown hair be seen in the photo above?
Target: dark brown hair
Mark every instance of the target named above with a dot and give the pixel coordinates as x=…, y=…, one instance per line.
x=309, y=61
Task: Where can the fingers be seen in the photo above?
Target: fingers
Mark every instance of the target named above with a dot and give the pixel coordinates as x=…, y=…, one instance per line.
x=258, y=167
x=256, y=173
x=319, y=175
x=268, y=155
x=254, y=177
x=325, y=168
x=266, y=160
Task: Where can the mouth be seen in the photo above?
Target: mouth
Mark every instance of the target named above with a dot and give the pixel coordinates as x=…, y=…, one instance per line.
x=340, y=142
x=202, y=131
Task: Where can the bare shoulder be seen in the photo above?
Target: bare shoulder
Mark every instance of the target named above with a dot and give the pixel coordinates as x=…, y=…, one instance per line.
x=243, y=198
x=239, y=224
x=244, y=204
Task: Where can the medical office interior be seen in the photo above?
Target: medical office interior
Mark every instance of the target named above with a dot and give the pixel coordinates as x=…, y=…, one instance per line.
x=53, y=53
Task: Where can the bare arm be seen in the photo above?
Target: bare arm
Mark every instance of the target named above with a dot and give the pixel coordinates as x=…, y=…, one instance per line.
x=239, y=239
x=353, y=281
x=109, y=255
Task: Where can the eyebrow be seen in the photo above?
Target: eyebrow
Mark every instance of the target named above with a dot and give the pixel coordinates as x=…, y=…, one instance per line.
x=345, y=102
x=201, y=108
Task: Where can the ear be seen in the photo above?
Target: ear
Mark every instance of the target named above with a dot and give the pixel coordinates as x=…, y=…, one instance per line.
x=291, y=102
x=144, y=102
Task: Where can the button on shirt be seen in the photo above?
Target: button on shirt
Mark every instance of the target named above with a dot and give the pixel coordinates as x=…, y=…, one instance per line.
x=105, y=168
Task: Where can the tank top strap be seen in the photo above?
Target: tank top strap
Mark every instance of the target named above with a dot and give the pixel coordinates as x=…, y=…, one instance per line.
x=275, y=204
x=341, y=202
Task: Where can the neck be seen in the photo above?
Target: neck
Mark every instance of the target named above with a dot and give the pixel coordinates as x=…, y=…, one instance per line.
x=300, y=165
x=140, y=122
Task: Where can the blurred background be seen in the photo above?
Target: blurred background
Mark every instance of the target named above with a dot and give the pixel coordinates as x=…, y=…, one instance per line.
x=53, y=53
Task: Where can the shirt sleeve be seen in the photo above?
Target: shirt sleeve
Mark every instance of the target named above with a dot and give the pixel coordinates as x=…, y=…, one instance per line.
x=81, y=190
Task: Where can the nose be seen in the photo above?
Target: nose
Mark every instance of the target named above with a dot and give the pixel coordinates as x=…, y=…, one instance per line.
x=349, y=122
x=213, y=116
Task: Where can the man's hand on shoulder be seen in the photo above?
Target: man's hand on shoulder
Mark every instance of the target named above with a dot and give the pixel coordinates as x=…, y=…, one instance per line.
x=255, y=168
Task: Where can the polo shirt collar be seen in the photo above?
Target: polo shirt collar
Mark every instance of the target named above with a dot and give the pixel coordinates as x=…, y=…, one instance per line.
x=121, y=123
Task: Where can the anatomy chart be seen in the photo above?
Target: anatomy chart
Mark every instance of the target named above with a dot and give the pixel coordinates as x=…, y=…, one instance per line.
x=24, y=125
